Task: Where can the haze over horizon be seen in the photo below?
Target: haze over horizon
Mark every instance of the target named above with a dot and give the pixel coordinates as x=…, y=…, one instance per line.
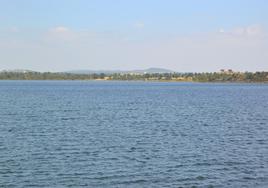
x=184, y=36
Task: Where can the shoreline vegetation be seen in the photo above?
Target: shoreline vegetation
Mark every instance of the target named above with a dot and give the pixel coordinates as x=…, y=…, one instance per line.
x=222, y=76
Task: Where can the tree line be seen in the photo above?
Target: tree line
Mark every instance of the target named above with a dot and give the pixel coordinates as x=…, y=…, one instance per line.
x=186, y=77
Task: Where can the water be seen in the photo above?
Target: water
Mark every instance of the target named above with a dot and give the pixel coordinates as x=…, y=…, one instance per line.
x=133, y=134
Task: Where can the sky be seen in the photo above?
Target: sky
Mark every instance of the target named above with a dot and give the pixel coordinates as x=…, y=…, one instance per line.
x=181, y=35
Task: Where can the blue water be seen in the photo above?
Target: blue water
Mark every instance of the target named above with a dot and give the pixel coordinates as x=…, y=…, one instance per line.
x=133, y=134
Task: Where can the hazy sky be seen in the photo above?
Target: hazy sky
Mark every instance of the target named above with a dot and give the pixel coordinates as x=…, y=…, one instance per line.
x=189, y=35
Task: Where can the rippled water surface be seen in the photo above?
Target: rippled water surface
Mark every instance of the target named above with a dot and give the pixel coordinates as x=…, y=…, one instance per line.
x=133, y=134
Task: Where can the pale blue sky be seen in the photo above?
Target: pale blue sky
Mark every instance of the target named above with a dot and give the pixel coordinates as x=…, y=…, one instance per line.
x=60, y=35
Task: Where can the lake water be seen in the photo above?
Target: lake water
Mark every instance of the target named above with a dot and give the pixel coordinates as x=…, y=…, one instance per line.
x=133, y=134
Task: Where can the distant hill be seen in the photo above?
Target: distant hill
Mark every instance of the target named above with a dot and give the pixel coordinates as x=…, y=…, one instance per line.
x=153, y=70
x=139, y=71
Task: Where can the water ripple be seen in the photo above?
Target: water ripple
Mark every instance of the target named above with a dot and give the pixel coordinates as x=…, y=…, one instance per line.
x=133, y=134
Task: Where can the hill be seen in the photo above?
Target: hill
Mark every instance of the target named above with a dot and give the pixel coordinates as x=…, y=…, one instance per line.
x=138, y=71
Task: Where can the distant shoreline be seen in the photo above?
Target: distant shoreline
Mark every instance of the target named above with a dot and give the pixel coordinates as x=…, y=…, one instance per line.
x=210, y=77
x=153, y=81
